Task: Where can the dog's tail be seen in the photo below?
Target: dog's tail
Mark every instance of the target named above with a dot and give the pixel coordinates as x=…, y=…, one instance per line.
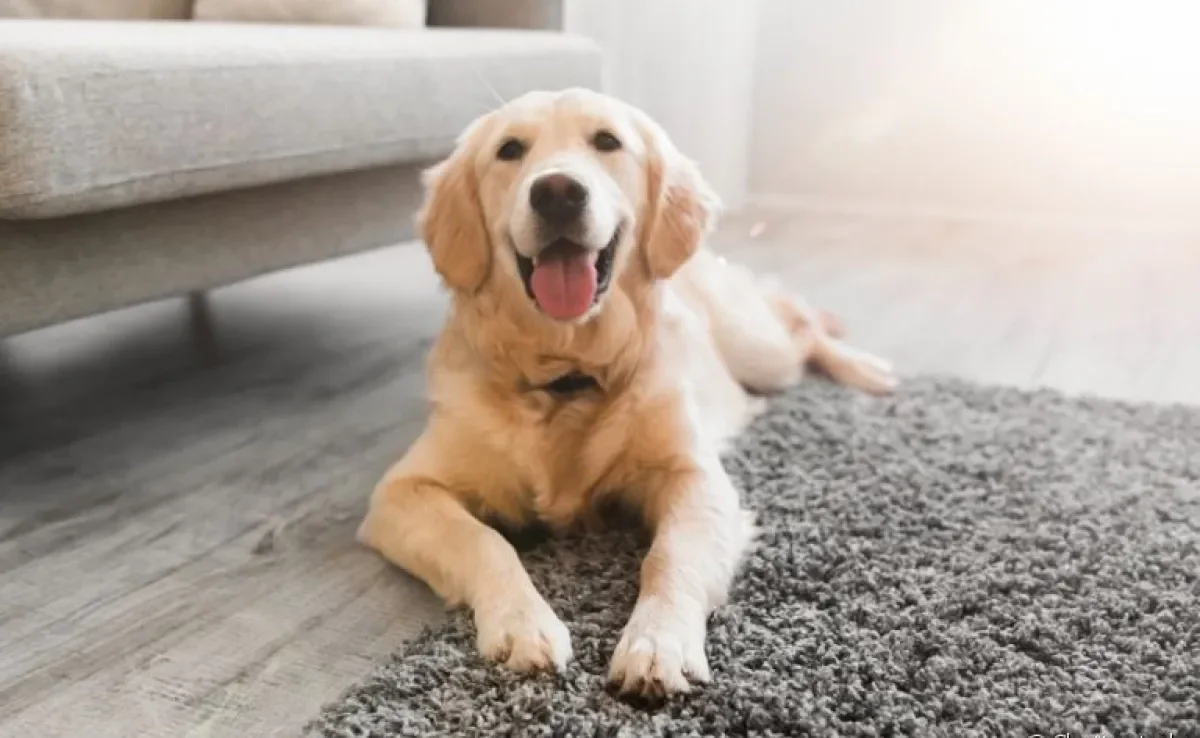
x=818, y=335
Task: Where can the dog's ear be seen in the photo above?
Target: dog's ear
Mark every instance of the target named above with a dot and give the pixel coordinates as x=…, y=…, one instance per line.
x=452, y=224
x=682, y=207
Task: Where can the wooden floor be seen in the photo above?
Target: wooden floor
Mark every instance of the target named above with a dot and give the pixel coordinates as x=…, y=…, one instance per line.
x=179, y=490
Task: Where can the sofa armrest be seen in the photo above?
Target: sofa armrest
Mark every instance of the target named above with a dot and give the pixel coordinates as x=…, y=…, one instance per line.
x=544, y=15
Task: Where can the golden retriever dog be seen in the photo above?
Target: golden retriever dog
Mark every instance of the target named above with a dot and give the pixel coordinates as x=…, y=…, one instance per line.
x=594, y=355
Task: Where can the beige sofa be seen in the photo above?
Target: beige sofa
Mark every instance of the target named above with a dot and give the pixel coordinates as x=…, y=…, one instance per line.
x=144, y=159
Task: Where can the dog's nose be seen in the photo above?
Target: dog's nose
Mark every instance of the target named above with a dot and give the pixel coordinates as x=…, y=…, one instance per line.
x=558, y=198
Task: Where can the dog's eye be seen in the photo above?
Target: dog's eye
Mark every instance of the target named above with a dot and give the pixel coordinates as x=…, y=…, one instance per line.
x=511, y=150
x=605, y=141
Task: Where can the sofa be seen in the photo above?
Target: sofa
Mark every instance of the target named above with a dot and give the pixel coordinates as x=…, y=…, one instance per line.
x=153, y=155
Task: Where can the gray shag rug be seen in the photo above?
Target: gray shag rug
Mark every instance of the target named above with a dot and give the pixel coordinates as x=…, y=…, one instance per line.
x=953, y=560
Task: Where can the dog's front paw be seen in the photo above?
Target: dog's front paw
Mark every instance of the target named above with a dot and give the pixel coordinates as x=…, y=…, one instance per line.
x=523, y=634
x=661, y=653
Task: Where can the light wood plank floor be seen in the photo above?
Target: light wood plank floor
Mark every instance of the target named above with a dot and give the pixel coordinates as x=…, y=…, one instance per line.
x=178, y=495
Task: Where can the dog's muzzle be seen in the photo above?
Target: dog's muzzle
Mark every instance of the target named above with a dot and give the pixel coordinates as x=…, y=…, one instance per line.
x=568, y=276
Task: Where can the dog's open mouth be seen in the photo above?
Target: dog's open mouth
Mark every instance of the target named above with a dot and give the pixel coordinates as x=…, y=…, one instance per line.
x=566, y=279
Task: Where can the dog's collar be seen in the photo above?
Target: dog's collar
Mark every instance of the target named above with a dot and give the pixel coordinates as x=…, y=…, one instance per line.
x=569, y=385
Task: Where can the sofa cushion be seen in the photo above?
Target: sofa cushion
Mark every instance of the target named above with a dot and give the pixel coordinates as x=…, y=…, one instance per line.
x=98, y=9
x=393, y=13
x=102, y=115
x=543, y=14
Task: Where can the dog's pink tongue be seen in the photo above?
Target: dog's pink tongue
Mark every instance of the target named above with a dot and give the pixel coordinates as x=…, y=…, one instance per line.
x=564, y=283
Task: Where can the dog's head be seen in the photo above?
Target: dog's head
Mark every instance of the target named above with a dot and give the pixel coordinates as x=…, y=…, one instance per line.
x=561, y=198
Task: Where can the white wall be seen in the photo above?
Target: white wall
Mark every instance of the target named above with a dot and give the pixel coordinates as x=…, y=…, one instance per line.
x=1058, y=107
x=688, y=63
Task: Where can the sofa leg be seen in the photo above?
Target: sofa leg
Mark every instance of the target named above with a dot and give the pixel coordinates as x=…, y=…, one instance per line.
x=202, y=327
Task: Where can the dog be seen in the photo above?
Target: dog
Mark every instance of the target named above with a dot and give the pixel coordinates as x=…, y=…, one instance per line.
x=595, y=354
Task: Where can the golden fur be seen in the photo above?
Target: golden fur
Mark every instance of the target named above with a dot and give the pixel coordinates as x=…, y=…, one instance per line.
x=676, y=346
